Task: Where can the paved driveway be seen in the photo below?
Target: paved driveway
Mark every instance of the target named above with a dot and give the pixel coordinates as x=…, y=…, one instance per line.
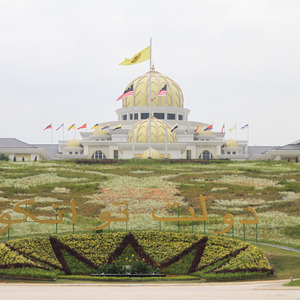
x=239, y=291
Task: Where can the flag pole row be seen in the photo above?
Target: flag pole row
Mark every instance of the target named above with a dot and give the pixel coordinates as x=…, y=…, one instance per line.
x=143, y=56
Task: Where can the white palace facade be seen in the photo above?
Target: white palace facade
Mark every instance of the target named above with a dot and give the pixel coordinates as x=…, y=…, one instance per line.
x=132, y=139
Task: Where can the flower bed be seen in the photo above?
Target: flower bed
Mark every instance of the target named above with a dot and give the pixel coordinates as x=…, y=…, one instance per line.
x=141, y=252
x=252, y=259
x=38, y=249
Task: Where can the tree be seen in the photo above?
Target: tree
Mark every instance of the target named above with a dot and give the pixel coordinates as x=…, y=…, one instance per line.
x=4, y=157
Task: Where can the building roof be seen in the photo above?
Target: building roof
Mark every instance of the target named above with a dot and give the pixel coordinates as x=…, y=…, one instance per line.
x=141, y=91
x=252, y=150
x=13, y=143
x=51, y=149
x=292, y=146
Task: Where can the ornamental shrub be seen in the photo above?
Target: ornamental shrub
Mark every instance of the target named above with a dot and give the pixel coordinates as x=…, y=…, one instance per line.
x=4, y=157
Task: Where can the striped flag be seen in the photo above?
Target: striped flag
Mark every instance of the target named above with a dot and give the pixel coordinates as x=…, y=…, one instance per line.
x=210, y=127
x=117, y=127
x=162, y=92
x=197, y=128
x=245, y=126
x=127, y=92
x=105, y=127
x=95, y=126
x=60, y=126
x=72, y=127
x=48, y=127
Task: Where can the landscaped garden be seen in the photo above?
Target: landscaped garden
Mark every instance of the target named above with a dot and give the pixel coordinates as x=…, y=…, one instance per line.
x=105, y=193
x=142, y=252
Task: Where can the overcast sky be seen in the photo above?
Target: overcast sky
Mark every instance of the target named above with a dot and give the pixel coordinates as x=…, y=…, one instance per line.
x=236, y=61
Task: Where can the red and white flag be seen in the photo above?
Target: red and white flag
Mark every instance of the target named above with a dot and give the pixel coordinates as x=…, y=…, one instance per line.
x=127, y=92
x=81, y=127
x=162, y=92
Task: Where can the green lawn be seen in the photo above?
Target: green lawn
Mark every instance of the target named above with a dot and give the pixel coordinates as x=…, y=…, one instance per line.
x=272, y=188
x=293, y=283
x=286, y=263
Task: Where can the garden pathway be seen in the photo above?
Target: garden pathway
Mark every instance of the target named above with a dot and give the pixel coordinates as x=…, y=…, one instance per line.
x=262, y=290
x=281, y=247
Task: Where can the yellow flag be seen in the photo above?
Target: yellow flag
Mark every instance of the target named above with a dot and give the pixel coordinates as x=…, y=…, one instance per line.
x=72, y=127
x=95, y=126
x=138, y=58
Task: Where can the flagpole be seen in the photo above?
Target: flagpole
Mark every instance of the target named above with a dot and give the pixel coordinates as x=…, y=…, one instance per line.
x=51, y=134
x=236, y=131
x=166, y=137
x=133, y=104
x=64, y=132
x=149, y=155
x=248, y=137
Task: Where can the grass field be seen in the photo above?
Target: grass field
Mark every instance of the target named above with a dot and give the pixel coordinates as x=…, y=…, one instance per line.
x=285, y=263
x=272, y=188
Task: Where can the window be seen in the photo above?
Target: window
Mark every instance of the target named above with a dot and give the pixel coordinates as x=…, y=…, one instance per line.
x=144, y=116
x=116, y=154
x=233, y=152
x=180, y=117
x=124, y=117
x=206, y=155
x=160, y=116
x=188, y=154
x=98, y=155
x=70, y=152
x=171, y=116
x=136, y=116
x=76, y=152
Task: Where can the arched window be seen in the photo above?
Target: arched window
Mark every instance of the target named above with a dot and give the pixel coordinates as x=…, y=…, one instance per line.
x=98, y=155
x=206, y=155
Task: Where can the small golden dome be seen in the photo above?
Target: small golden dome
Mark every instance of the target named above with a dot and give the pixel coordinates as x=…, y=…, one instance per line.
x=141, y=91
x=158, y=132
x=99, y=131
x=73, y=144
x=231, y=143
x=154, y=154
x=202, y=132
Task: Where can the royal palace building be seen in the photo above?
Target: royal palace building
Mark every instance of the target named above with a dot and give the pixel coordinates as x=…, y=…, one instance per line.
x=128, y=136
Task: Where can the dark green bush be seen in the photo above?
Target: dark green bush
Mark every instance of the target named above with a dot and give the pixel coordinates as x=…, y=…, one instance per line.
x=4, y=157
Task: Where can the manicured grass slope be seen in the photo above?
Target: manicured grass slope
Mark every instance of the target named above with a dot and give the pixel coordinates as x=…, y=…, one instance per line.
x=286, y=263
x=272, y=188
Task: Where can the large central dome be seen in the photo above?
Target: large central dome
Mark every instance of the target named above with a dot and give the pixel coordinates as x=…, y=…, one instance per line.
x=141, y=91
x=158, y=132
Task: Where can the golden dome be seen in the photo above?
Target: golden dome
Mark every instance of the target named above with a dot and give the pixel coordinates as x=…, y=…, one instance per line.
x=154, y=154
x=202, y=132
x=73, y=144
x=141, y=91
x=231, y=143
x=99, y=131
x=158, y=132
